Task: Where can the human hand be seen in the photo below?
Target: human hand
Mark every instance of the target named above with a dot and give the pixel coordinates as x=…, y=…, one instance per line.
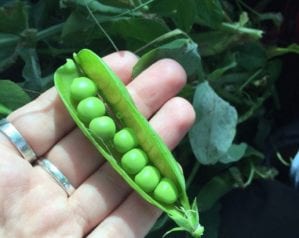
x=32, y=204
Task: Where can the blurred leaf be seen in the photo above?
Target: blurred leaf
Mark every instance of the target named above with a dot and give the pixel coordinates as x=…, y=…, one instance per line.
x=273, y=70
x=214, y=42
x=186, y=14
x=4, y=111
x=12, y=96
x=8, y=40
x=183, y=12
x=13, y=17
x=13, y=20
x=213, y=190
x=87, y=17
x=278, y=51
x=231, y=80
x=134, y=28
x=163, y=39
x=209, y=13
x=252, y=152
x=230, y=64
x=164, y=7
x=31, y=71
x=8, y=44
x=75, y=25
x=215, y=127
x=263, y=83
x=42, y=13
x=118, y=28
x=275, y=17
x=234, y=153
x=7, y=58
x=183, y=51
x=94, y=6
x=251, y=56
x=118, y=3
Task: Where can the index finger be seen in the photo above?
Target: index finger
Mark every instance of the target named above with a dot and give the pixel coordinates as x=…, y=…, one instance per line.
x=44, y=121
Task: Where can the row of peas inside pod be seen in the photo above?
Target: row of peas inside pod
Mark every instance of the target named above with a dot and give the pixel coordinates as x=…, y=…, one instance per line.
x=92, y=112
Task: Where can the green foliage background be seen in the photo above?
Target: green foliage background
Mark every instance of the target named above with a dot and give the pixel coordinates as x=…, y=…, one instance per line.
x=230, y=49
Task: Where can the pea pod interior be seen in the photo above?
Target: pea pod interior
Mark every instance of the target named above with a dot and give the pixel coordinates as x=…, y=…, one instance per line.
x=115, y=95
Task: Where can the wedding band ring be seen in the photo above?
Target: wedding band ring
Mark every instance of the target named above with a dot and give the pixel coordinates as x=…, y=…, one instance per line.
x=17, y=140
x=56, y=174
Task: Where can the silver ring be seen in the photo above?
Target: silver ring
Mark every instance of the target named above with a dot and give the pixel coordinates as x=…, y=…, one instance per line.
x=56, y=174
x=17, y=140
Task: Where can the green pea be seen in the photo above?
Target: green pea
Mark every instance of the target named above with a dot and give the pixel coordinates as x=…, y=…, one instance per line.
x=134, y=160
x=90, y=108
x=166, y=191
x=102, y=127
x=124, y=140
x=82, y=87
x=148, y=178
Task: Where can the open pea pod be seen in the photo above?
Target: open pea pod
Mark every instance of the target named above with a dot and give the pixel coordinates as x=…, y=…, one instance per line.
x=123, y=110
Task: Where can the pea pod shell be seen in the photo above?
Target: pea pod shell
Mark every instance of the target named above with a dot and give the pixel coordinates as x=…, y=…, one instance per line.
x=115, y=93
x=110, y=86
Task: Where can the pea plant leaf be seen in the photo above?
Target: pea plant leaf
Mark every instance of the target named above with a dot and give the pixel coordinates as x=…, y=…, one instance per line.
x=251, y=56
x=7, y=40
x=31, y=71
x=4, y=111
x=41, y=14
x=94, y=6
x=183, y=51
x=183, y=12
x=209, y=13
x=8, y=45
x=234, y=153
x=13, y=20
x=214, y=42
x=118, y=3
x=12, y=96
x=212, y=135
x=229, y=63
x=133, y=28
x=118, y=27
x=186, y=14
x=13, y=17
x=75, y=21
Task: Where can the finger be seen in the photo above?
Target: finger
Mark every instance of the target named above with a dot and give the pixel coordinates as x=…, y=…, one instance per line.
x=108, y=190
x=183, y=115
x=151, y=89
x=45, y=120
x=77, y=159
x=132, y=219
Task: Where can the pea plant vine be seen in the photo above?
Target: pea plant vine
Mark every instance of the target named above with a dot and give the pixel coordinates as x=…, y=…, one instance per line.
x=231, y=51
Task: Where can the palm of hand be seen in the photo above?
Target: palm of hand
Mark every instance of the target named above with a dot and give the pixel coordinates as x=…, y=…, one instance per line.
x=31, y=202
